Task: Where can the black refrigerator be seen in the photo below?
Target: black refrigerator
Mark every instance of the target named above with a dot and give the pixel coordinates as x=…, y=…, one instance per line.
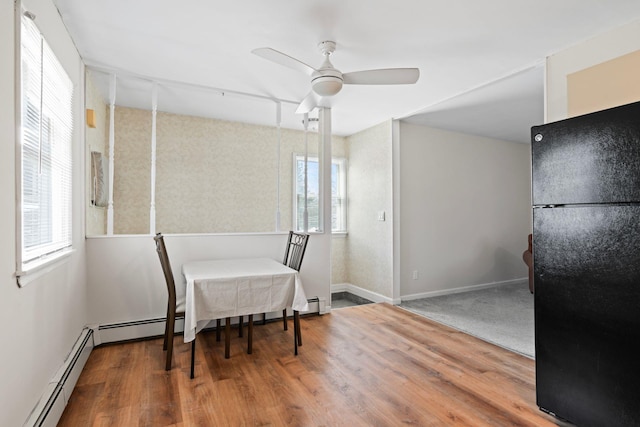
x=586, y=255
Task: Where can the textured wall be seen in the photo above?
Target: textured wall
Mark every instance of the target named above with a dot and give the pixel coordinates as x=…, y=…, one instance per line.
x=212, y=176
x=339, y=272
x=369, y=245
x=132, y=171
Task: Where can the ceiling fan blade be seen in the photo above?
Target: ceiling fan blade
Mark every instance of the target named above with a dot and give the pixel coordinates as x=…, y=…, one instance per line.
x=385, y=76
x=283, y=59
x=308, y=103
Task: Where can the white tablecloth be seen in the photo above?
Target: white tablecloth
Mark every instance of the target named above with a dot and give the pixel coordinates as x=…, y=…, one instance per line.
x=217, y=289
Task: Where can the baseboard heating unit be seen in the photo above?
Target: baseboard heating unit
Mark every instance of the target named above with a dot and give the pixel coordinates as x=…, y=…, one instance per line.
x=49, y=408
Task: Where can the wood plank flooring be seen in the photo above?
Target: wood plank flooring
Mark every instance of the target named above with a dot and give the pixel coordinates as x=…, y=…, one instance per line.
x=372, y=365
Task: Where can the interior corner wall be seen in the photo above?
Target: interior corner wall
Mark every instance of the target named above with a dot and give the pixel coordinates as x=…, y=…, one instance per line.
x=96, y=140
x=369, y=244
x=42, y=320
x=596, y=50
x=465, y=210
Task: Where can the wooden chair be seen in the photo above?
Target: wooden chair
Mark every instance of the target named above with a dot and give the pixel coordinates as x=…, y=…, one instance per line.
x=175, y=307
x=293, y=255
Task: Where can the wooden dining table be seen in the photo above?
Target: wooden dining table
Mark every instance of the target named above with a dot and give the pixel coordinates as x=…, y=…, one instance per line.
x=225, y=288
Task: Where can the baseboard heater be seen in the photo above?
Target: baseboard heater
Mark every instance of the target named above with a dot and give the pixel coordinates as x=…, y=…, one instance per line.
x=317, y=305
x=49, y=408
x=146, y=328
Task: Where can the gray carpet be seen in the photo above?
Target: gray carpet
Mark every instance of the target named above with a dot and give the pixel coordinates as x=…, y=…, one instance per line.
x=502, y=315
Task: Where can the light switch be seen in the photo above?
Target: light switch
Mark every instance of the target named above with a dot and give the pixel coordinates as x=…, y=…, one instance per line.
x=380, y=215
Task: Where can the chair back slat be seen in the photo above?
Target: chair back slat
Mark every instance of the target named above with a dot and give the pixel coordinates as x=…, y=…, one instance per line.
x=294, y=252
x=166, y=268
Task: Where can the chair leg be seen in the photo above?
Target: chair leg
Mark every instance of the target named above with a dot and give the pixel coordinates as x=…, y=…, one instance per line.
x=171, y=320
x=227, y=337
x=218, y=322
x=296, y=320
x=250, y=338
x=264, y=318
x=166, y=331
x=295, y=334
x=284, y=319
x=193, y=355
x=240, y=326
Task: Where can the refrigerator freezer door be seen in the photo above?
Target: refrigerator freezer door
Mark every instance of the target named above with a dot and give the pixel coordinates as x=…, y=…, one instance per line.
x=593, y=158
x=587, y=313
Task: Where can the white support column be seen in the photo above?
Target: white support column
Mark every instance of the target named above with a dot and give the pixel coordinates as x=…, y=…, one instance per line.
x=112, y=142
x=278, y=122
x=305, y=215
x=154, y=113
x=325, y=161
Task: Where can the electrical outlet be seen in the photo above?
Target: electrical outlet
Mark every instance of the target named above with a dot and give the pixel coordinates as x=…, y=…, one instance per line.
x=415, y=274
x=380, y=215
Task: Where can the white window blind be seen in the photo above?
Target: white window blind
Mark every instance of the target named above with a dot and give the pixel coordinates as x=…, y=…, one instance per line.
x=45, y=155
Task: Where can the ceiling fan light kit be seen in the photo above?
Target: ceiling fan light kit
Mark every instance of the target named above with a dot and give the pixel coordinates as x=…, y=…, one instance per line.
x=327, y=81
x=326, y=85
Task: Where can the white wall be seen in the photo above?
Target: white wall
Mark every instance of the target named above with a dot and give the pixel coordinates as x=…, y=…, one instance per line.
x=96, y=139
x=126, y=281
x=465, y=210
x=41, y=321
x=594, y=51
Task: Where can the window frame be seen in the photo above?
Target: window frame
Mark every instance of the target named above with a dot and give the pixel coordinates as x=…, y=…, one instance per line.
x=341, y=162
x=45, y=255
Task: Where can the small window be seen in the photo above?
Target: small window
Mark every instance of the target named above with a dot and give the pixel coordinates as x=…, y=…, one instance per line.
x=338, y=195
x=45, y=138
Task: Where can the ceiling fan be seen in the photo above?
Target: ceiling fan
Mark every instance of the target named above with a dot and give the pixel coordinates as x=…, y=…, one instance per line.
x=327, y=81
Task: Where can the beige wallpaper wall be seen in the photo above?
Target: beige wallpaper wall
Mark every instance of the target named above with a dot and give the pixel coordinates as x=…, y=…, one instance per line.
x=339, y=260
x=369, y=245
x=96, y=140
x=132, y=171
x=212, y=176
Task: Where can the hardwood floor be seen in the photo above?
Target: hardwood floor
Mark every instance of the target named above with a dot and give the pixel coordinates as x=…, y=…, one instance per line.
x=371, y=365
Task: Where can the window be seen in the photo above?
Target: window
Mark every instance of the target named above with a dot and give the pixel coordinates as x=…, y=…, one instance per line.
x=45, y=139
x=338, y=194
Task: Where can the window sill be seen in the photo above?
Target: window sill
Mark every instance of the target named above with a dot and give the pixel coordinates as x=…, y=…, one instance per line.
x=40, y=267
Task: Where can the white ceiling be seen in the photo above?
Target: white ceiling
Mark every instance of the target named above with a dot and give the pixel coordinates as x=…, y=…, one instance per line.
x=505, y=109
x=480, y=61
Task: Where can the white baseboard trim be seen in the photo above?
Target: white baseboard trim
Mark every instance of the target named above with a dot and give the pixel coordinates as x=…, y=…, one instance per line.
x=363, y=293
x=523, y=280
x=49, y=408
